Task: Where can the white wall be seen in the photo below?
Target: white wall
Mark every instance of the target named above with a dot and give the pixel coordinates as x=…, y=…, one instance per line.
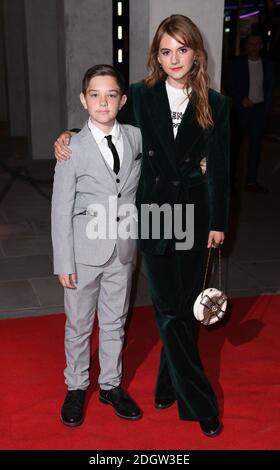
x=3, y=78
x=88, y=41
x=15, y=57
x=139, y=39
x=63, y=39
x=43, y=76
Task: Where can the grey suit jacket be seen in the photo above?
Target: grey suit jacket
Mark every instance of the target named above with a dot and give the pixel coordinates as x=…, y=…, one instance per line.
x=88, y=203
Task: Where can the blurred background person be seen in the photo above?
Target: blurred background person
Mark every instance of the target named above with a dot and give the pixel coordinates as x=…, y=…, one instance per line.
x=251, y=82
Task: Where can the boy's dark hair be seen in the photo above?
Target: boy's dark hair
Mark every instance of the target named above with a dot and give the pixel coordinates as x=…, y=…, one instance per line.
x=102, y=70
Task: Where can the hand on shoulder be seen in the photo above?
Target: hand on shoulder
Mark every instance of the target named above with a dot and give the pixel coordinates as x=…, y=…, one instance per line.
x=61, y=146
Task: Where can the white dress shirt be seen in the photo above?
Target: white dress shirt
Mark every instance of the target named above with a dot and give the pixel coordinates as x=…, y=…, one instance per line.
x=256, y=81
x=102, y=143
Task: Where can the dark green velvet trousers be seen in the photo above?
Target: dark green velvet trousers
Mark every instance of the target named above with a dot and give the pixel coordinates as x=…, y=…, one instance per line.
x=175, y=280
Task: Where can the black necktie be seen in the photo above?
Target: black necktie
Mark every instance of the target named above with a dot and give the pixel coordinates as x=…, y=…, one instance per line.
x=116, y=157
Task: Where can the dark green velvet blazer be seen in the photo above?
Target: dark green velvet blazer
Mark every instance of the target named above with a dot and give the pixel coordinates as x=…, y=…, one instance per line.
x=171, y=168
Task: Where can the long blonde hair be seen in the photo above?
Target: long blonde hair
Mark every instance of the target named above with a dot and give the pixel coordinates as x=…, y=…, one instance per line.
x=182, y=29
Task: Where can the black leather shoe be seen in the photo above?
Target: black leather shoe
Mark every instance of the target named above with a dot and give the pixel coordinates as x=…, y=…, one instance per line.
x=162, y=403
x=124, y=406
x=211, y=427
x=72, y=412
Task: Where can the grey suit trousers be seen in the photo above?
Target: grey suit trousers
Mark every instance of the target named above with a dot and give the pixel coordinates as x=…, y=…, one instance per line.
x=106, y=289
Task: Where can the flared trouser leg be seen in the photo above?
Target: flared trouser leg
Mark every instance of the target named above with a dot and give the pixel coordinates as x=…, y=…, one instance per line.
x=164, y=387
x=175, y=280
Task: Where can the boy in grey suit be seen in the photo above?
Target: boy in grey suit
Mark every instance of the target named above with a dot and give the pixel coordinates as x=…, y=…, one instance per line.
x=93, y=250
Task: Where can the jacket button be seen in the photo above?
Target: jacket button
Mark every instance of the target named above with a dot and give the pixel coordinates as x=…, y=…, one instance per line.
x=175, y=183
x=187, y=160
x=118, y=180
x=119, y=195
x=157, y=179
x=117, y=219
x=151, y=153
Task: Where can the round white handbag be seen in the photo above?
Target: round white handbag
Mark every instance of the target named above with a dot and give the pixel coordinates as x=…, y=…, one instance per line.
x=210, y=305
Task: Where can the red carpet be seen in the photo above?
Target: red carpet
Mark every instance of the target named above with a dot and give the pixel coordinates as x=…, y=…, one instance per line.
x=241, y=357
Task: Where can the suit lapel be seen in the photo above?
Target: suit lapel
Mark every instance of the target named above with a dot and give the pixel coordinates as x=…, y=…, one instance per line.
x=127, y=162
x=100, y=165
x=95, y=157
x=189, y=132
x=160, y=114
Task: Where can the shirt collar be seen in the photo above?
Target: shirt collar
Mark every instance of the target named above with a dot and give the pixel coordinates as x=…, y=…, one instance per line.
x=178, y=91
x=100, y=135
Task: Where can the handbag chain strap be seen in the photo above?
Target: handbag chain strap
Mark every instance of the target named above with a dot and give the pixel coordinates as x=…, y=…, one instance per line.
x=219, y=267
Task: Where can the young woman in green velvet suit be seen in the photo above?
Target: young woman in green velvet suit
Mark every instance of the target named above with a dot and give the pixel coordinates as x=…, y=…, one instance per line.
x=182, y=122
